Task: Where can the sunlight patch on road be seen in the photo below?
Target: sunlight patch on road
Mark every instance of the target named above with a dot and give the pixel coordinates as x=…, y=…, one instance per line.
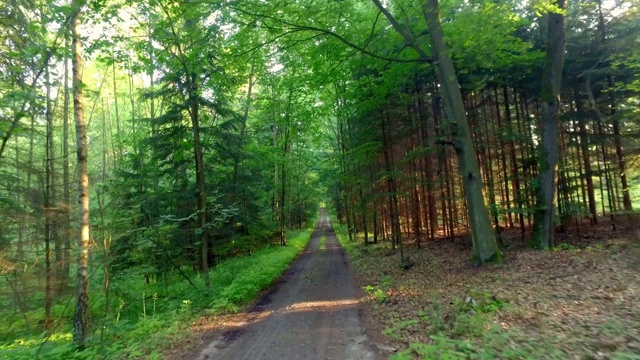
x=319, y=305
x=241, y=321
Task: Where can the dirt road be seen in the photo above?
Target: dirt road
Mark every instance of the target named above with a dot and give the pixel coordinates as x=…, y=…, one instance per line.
x=313, y=313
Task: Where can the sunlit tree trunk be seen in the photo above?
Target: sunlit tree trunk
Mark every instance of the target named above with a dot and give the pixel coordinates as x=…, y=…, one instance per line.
x=81, y=315
x=115, y=104
x=66, y=191
x=503, y=161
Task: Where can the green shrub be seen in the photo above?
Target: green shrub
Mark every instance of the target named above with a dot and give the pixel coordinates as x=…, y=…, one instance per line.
x=146, y=311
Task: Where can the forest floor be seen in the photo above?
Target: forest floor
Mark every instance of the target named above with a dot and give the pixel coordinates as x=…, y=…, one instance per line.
x=579, y=301
x=313, y=312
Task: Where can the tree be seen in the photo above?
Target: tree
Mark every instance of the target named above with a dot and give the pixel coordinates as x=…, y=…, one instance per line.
x=544, y=218
x=81, y=315
x=485, y=247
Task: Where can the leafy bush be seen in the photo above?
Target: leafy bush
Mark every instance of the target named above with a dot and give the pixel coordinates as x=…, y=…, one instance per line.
x=147, y=311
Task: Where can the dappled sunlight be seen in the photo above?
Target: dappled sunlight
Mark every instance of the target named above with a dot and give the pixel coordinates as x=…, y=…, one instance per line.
x=243, y=319
x=56, y=338
x=319, y=305
x=237, y=321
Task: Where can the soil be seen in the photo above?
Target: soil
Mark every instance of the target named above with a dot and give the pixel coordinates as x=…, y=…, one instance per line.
x=314, y=312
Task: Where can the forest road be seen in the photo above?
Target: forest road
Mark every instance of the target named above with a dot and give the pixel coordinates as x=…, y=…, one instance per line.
x=314, y=312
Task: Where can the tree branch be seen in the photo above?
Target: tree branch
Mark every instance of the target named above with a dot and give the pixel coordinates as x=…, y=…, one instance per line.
x=335, y=35
x=402, y=31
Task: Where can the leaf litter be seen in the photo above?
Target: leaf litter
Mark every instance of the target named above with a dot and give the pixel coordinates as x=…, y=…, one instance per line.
x=581, y=300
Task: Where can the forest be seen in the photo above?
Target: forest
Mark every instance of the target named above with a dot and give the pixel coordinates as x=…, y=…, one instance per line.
x=163, y=162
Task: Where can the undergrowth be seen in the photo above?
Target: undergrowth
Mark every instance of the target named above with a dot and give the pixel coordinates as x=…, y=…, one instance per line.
x=150, y=315
x=579, y=300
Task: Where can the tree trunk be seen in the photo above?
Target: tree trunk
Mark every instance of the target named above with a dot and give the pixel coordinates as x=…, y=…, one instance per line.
x=503, y=161
x=66, y=191
x=543, y=223
x=393, y=198
x=515, y=178
x=49, y=205
x=115, y=104
x=81, y=315
x=586, y=158
x=485, y=247
x=201, y=193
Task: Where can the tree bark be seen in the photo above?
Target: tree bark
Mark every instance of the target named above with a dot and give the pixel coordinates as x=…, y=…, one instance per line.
x=543, y=223
x=391, y=187
x=81, y=315
x=66, y=191
x=485, y=247
x=201, y=191
x=586, y=158
x=49, y=205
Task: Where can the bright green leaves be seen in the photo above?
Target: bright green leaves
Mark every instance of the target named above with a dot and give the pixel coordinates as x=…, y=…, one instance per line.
x=543, y=7
x=483, y=36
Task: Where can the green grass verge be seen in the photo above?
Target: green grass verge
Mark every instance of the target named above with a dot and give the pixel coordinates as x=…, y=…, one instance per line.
x=150, y=317
x=351, y=247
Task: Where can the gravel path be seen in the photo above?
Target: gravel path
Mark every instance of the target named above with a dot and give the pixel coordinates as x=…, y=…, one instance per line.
x=313, y=313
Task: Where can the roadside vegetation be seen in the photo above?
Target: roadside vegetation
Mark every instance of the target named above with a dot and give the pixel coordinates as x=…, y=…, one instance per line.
x=580, y=300
x=151, y=315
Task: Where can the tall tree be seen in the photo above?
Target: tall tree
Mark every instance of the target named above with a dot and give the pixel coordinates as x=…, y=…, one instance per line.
x=485, y=247
x=543, y=225
x=81, y=315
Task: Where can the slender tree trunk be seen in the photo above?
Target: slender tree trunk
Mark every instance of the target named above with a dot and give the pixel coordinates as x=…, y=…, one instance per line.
x=201, y=192
x=49, y=205
x=430, y=211
x=626, y=199
x=283, y=189
x=586, y=158
x=19, y=196
x=375, y=206
x=243, y=123
x=391, y=187
x=515, y=178
x=106, y=247
x=503, y=160
x=66, y=191
x=489, y=172
x=117, y=109
x=543, y=226
x=622, y=167
x=81, y=315
x=605, y=170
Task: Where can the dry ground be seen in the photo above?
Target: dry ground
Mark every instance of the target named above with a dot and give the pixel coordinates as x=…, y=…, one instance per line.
x=580, y=301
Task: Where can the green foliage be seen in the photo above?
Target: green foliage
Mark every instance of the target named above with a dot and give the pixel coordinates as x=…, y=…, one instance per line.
x=171, y=305
x=241, y=279
x=377, y=293
x=392, y=331
x=480, y=301
x=564, y=246
x=493, y=344
x=469, y=333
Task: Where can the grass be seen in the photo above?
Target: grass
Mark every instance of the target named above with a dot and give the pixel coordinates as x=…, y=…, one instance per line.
x=149, y=317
